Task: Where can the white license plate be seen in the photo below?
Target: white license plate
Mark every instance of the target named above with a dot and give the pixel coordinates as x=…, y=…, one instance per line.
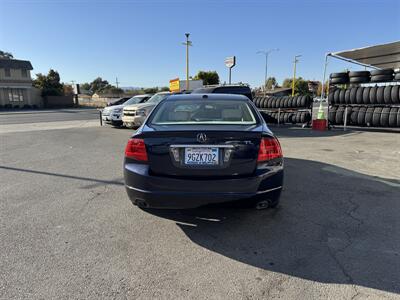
x=201, y=156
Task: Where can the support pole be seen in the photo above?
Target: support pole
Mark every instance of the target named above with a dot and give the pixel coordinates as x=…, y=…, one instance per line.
x=345, y=119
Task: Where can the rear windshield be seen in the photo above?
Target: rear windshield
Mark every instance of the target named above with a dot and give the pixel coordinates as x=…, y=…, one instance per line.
x=227, y=112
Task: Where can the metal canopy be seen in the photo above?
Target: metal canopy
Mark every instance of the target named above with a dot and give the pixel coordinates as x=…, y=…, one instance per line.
x=378, y=56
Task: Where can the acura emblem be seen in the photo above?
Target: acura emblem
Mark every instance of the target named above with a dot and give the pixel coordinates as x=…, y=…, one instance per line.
x=201, y=137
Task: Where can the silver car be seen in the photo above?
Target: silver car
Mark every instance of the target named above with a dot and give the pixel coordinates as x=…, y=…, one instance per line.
x=112, y=114
x=134, y=115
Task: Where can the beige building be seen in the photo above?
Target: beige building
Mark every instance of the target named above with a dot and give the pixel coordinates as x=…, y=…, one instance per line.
x=16, y=84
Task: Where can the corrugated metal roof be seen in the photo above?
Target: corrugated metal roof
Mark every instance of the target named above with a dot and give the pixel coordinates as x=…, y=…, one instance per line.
x=15, y=64
x=379, y=56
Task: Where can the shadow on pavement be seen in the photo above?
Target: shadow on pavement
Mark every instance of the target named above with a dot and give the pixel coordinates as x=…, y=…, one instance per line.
x=331, y=227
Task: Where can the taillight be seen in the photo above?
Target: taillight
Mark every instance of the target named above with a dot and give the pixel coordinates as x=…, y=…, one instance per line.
x=269, y=149
x=136, y=149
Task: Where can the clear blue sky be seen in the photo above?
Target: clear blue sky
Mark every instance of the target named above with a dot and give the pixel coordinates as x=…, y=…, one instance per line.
x=140, y=41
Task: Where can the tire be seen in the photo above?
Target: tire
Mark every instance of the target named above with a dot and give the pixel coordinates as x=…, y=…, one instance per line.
x=303, y=117
x=339, y=75
x=393, y=117
x=385, y=117
x=387, y=94
x=341, y=96
x=397, y=77
x=359, y=79
x=365, y=95
x=376, y=117
x=381, y=78
x=368, y=116
x=281, y=118
x=290, y=101
x=359, y=74
x=285, y=102
x=286, y=118
x=304, y=101
x=395, y=94
x=398, y=118
x=336, y=96
x=347, y=96
x=266, y=103
x=339, y=115
x=307, y=117
x=372, y=95
x=354, y=116
x=330, y=98
x=339, y=80
x=353, y=92
x=361, y=116
x=359, y=95
x=382, y=72
x=273, y=102
x=332, y=115
x=379, y=95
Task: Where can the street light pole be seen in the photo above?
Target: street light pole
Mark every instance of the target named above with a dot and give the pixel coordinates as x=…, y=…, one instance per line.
x=266, y=53
x=187, y=44
x=294, y=72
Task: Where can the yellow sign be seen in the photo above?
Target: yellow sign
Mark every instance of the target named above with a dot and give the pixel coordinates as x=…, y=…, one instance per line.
x=174, y=85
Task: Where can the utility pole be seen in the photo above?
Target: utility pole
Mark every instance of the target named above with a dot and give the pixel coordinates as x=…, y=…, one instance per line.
x=294, y=72
x=187, y=44
x=266, y=53
x=116, y=81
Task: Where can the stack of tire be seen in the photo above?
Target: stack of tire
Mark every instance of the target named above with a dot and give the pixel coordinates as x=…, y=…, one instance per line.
x=283, y=102
x=383, y=75
x=356, y=77
x=366, y=106
x=287, y=117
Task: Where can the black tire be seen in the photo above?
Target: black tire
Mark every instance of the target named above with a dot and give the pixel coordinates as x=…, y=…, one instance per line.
x=393, y=117
x=353, y=92
x=332, y=115
x=365, y=95
x=398, y=118
x=359, y=74
x=379, y=95
x=381, y=78
x=336, y=96
x=339, y=115
x=372, y=95
x=368, y=116
x=359, y=95
x=304, y=101
x=294, y=102
x=359, y=79
x=361, y=116
x=285, y=102
x=347, y=96
x=303, y=117
x=255, y=101
x=339, y=75
x=376, y=117
x=307, y=117
x=354, y=116
x=330, y=98
x=341, y=96
x=273, y=102
x=382, y=72
x=397, y=77
x=385, y=117
x=387, y=94
x=395, y=94
x=289, y=102
x=339, y=80
x=281, y=118
x=286, y=117
x=266, y=103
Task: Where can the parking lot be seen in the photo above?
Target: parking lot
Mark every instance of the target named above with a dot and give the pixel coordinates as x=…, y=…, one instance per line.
x=68, y=230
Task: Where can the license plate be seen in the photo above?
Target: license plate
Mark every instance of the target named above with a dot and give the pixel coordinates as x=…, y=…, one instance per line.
x=201, y=156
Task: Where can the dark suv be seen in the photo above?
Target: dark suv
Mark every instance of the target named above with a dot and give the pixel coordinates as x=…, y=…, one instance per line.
x=225, y=89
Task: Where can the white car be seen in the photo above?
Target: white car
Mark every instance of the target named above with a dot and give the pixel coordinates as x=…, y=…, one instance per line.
x=134, y=115
x=112, y=114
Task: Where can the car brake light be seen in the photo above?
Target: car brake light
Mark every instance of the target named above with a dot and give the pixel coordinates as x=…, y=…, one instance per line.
x=269, y=149
x=136, y=149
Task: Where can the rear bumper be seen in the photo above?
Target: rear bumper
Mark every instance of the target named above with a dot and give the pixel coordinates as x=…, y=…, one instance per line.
x=165, y=192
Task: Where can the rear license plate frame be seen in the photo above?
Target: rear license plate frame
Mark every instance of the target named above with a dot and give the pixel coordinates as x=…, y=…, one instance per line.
x=204, y=156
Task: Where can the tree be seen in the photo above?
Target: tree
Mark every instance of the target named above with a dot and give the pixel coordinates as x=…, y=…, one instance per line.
x=208, y=77
x=164, y=89
x=97, y=85
x=49, y=84
x=152, y=90
x=85, y=86
x=300, y=85
x=7, y=55
x=271, y=81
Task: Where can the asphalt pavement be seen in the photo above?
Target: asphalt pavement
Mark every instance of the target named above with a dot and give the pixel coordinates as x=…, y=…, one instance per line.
x=68, y=229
